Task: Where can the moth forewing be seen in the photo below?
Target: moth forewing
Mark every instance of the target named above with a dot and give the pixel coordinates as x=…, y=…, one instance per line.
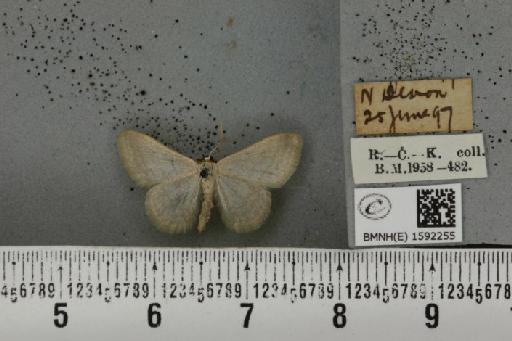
x=269, y=162
x=148, y=162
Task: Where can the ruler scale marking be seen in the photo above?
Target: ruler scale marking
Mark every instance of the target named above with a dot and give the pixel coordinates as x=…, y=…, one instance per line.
x=479, y=275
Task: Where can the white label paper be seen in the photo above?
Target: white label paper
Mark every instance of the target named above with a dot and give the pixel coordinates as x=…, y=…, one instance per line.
x=418, y=158
x=408, y=215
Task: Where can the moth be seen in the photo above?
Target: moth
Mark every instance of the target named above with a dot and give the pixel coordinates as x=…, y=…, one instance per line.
x=182, y=191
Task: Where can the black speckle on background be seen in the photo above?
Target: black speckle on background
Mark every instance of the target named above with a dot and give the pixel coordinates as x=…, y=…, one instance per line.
x=405, y=42
x=89, y=60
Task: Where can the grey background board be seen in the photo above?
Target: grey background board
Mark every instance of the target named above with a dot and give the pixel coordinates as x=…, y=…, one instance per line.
x=74, y=74
x=389, y=40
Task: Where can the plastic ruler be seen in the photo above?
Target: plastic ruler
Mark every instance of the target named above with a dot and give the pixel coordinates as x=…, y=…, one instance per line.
x=103, y=293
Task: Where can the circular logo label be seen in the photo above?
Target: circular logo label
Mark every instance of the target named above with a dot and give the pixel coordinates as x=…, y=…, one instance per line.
x=374, y=206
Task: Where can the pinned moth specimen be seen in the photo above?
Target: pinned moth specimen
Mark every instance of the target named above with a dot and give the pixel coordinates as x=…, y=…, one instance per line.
x=182, y=192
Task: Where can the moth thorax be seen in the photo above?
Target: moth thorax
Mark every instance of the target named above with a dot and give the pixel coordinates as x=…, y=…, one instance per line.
x=205, y=172
x=206, y=167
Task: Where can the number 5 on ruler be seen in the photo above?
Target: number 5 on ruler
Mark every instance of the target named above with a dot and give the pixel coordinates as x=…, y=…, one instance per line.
x=61, y=315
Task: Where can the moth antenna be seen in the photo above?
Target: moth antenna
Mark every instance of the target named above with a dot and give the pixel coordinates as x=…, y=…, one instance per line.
x=216, y=148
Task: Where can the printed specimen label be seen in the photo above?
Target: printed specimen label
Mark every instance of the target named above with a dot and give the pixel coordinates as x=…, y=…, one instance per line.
x=418, y=158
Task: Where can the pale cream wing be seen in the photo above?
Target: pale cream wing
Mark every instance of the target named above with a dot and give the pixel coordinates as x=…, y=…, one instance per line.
x=268, y=163
x=148, y=162
x=173, y=206
x=243, y=206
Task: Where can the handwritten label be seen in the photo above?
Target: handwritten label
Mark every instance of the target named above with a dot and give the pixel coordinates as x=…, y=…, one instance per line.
x=413, y=106
x=418, y=158
x=408, y=215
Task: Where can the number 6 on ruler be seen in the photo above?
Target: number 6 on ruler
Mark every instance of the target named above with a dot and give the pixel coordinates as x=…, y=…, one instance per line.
x=154, y=315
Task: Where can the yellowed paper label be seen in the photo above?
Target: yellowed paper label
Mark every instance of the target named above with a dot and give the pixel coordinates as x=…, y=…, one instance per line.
x=413, y=106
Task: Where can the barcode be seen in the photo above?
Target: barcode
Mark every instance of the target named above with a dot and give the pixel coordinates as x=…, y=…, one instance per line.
x=436, y=207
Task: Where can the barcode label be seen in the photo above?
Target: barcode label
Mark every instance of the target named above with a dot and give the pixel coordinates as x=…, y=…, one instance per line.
x=408, y=215
x=436, y=207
